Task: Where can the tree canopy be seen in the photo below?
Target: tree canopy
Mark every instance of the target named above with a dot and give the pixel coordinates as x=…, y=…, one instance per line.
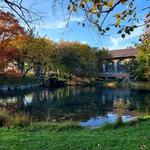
x=142, y=71
x=9, y=27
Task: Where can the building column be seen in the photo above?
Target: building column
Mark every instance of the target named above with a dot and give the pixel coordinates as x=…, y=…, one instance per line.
x=115, y=65
x=104, y=68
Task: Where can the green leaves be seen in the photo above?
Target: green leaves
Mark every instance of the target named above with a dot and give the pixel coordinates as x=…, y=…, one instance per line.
x=68, y=7
x=108, y=28
x=98, y=15
x=123, y=35
x=97, y=12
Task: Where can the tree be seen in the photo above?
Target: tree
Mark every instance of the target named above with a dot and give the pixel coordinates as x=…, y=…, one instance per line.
x=9, y=27
x=123, y=14
x=18, y=9
x=34, y=53
x=77, y=59
x=142, y=72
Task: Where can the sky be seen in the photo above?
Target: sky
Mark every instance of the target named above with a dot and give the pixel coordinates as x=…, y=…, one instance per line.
x=54, y=26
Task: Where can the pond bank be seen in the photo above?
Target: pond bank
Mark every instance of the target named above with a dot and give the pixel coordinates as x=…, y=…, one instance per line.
x=132, y=85
x=67, y=136
x=6, y=88
x=11, y=83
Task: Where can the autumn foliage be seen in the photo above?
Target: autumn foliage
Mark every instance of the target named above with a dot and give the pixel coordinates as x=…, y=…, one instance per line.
x=9, y=28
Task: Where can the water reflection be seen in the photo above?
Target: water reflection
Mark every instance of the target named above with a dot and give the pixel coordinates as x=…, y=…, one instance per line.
x=102, y=120
x=76, y=103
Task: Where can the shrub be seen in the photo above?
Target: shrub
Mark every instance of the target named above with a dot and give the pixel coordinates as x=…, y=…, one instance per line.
x=118, y=122
x=4, y=119
x=20, y=120
x=17, y=120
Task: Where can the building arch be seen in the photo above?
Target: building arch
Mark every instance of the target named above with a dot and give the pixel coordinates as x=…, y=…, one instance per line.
x=121, y=66
x=110, y=66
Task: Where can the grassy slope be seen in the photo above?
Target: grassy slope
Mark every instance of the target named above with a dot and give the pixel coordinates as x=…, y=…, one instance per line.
x=65, y=138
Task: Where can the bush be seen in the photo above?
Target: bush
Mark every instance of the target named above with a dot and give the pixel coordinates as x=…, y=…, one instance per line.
x=118, y=122
x=18, y=120
x=4, y=119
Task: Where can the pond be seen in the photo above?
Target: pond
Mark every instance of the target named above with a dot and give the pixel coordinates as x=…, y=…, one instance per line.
x=91, y=106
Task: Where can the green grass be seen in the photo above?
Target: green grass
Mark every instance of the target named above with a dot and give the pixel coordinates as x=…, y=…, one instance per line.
x=72, y=137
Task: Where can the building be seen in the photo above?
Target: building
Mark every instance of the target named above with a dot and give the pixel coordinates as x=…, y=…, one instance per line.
x=117, y=64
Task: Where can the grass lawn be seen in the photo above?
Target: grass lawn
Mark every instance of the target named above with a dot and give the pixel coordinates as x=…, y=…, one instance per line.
x=63, y=137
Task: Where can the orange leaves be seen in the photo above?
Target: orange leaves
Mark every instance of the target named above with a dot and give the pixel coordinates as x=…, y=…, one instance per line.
x=9, y=27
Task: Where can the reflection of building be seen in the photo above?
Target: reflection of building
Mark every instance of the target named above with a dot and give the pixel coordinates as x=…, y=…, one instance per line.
x=116, y=66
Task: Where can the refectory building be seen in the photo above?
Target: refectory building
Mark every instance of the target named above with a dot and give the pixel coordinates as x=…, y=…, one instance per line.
x=118, y=63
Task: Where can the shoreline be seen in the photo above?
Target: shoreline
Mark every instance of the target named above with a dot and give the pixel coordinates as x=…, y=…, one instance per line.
x=6, y=88
x=137, y=85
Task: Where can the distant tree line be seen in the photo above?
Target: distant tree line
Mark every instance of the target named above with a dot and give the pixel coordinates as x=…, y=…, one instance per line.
x=43, y=57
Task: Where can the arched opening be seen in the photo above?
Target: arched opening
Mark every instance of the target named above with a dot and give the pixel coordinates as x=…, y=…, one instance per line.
x=110, y=67
x=121, y=66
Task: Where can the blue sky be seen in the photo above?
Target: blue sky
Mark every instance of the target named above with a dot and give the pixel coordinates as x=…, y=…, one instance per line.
x=53, y=25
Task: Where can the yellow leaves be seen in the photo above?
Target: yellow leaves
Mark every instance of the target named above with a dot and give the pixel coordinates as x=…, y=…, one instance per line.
x=118, y=22
x=117, y=15
x=111, y=3
x=118, y=19
x=94, y=9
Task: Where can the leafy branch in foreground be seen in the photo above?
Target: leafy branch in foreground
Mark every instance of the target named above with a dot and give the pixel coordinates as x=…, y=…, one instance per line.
x=18, y=8
x=122, y=13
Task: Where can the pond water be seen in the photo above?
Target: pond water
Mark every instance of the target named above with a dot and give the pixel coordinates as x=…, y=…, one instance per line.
x=91, y=106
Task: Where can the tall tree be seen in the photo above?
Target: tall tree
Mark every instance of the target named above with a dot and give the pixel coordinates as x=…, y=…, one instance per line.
x=142, y=72
x=77, y=59
x=34, y=53
x=9, y=28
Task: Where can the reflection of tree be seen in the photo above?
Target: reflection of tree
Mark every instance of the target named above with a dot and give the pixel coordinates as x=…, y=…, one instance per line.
x=121, y=106
x=77, y=102
x=143, y=101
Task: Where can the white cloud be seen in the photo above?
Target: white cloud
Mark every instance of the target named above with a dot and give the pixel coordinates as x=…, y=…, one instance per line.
x=76, y=19
x=84, y=42
x=55, y=25
x=62, y=24
x=118, y=42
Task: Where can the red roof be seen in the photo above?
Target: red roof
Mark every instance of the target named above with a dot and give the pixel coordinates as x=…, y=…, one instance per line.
x=121, y=53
